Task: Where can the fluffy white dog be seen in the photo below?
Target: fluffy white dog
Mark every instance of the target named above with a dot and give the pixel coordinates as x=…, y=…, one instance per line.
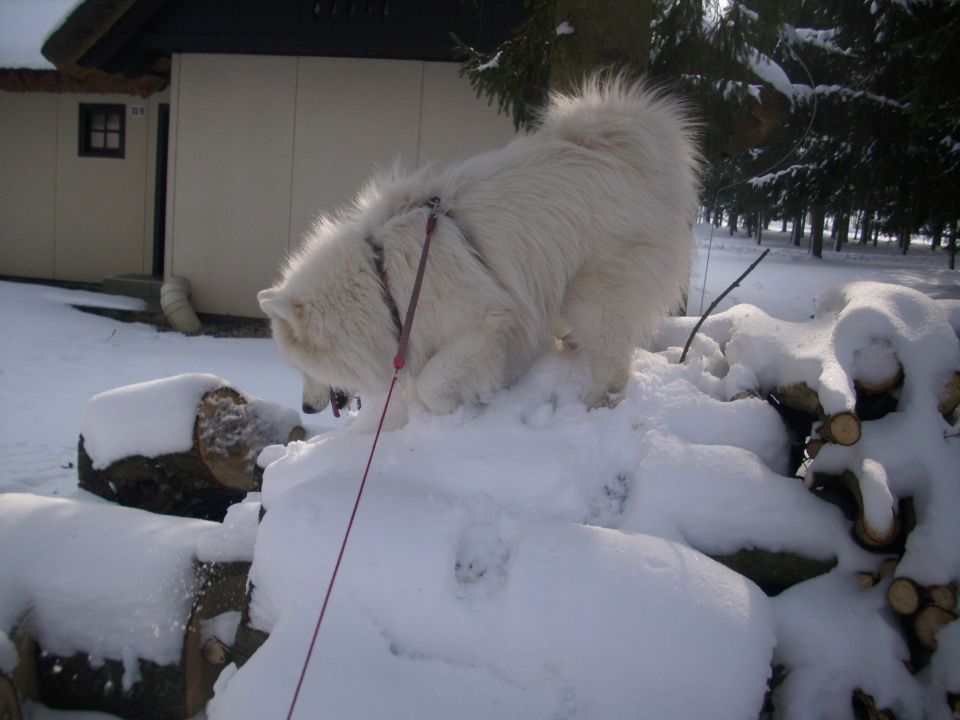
x=580, y=230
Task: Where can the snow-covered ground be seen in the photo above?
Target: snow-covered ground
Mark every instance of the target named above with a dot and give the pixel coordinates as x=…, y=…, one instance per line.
x=528, y=559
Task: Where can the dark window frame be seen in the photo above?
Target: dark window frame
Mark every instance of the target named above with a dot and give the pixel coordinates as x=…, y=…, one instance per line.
x=90, y=125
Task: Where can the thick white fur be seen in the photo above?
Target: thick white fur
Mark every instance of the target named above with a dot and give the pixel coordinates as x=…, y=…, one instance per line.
x=583, y=228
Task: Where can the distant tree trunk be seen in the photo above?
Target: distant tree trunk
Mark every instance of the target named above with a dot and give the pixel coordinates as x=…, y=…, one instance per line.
x=717, y=216
x=760, y=225
x=732, y=222
x=937, y=235
x=876, y=234
x=903, y=240
x=798, y=222
x=866, y=229
x=841, y=232
x=783, y=226
x=817, y=218
x=952, y=247
x=606, y=34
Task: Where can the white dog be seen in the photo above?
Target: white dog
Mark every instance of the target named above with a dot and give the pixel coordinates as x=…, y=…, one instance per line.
x=580, y=230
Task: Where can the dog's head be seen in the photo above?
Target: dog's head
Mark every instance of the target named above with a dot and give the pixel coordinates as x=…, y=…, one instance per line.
x=329, y=320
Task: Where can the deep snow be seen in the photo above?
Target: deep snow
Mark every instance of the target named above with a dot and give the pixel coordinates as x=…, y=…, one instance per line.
x=526, y=559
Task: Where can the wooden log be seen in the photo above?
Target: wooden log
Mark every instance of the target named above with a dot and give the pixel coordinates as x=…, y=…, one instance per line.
x=880, y=385
x=202, y=482
x=905, y=596
x=950, y=397
x=844, y=490
x=943, y=596
x=10, y=708
x=799, y=396
x=865, y=708
x=927, y=623
x=842, y=428
x=163, y=692
x=773, y=571
x=868, y=579
x=222, y=590
x=953, y=701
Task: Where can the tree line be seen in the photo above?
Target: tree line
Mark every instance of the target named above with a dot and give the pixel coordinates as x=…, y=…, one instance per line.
x=810, y=109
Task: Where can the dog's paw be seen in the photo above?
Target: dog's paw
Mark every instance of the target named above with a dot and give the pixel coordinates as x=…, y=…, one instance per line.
x=439, y=403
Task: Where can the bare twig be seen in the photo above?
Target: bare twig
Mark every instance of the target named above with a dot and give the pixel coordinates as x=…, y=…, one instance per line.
x=721, y=296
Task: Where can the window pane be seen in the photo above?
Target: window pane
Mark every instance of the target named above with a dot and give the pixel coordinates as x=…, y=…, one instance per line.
x=98, y=121
x=113, y=121
x=97, y=140
x=113, y=141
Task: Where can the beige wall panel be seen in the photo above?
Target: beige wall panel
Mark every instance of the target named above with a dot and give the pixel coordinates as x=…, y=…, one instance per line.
x=100, y=201
x=234, y=150
x=28, y=148
x=456, y=123
x=354, y=118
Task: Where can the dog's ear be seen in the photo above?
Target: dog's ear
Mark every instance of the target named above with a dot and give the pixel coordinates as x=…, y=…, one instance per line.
x=277, y=306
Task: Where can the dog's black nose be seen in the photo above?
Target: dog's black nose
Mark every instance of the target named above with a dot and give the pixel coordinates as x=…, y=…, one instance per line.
x=340, y=399
x=309, y=409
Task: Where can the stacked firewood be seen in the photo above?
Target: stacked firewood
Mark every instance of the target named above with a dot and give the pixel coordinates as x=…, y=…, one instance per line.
x=923, y=610
x=202, y=482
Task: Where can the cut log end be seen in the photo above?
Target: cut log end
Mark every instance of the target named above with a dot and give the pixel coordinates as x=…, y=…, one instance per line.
x=842, y=429
x=904, y=596
x=880, y=385
x=927, y=623
x=950, y=397
x=9, y=702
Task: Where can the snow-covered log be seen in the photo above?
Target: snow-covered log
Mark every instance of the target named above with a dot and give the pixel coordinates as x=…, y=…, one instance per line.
x=928, y=622
x=950, y=397
x=865, y=707
x=184, y=446
x=876, y=523
x=129, y=637
x=773, y=571
x=842, y=428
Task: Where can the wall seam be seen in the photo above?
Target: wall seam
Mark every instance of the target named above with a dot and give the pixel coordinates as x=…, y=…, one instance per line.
x=56, y=189
x=293, y=153
x=423, y=82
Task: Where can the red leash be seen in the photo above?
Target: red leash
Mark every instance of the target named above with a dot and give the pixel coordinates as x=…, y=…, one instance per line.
x=398, y=363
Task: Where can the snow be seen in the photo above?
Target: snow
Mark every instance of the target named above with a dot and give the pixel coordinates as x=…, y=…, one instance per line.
x=524, y=559
x=565, y=28
x=491, y=64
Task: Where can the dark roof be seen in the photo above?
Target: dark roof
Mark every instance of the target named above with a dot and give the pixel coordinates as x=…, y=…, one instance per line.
x=134, y=39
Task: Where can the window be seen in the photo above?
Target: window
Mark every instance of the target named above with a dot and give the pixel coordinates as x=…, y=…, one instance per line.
x=102, y=129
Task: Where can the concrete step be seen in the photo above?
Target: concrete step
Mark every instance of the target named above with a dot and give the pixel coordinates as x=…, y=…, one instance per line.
x=145, y=287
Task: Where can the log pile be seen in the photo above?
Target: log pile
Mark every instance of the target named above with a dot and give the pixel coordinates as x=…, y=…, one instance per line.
x=923, y=611
x=162, y=692
x=202, y=482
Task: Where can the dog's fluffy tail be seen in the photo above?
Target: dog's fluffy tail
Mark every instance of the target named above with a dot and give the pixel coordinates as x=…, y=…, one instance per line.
x=612, y=111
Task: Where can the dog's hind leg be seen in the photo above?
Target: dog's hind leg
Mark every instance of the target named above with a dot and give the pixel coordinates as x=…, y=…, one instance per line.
x=603, y=326
x=469, y=368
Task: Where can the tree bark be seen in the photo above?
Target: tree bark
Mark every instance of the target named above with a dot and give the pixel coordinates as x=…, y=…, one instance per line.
x=775, y=571
x=817, y=218
x=606, y=34
x=202, y=482
x=798, y=222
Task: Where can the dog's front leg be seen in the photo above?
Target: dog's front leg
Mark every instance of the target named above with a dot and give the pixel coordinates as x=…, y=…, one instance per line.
x=469, y=368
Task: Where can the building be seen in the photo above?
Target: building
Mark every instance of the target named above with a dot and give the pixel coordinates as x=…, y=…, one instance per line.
x=201, y=138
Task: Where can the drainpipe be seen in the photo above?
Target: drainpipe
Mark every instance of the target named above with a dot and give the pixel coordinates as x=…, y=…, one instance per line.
x=175, y=302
